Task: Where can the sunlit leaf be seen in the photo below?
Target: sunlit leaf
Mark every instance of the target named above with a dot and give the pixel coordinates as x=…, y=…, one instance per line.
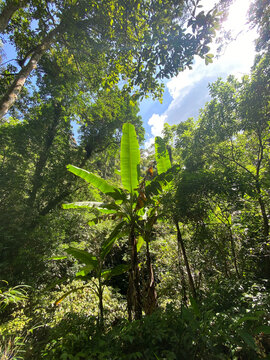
x=85, y=270
x=82, y=204
x=118, y=270
x=58, y=301
x=83, y=256
x=130, y=158
x=108, y=243
x=140, y=242
x=57, y=258
x=92, y=179
x=162, y=155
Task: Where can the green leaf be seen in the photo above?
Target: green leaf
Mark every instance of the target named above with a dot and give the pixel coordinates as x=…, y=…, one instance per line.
x=110, y=206
x=162, y=155
x=208, y=58
x=83, y=256
x=102, y=207
x=57, y=258
x=263, y=329
x=108, y=243
x=195, y=306
x=118, y=270
x=248, y=339
x=82, y=204
x=245, y=318
x=106, y=211
x=85, y=270
x=157, y=185
x=58, y=301
x=92, y=179
x=118, y=194
x=140, y=242
x=130, y=158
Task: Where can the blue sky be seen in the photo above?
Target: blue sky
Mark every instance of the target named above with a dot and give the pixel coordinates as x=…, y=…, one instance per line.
x=186, y=93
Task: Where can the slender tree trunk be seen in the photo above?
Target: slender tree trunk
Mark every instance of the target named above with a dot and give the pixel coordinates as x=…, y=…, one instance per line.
x=8, y=10
x=182, y=274
x=15, y=88
x=181, y=243
x=151, y=294
x=233, y=253
x=101, y=309
x=258, y=187
x=226, y=267
x=134, y=293
x=266, y=256
x=264, y=216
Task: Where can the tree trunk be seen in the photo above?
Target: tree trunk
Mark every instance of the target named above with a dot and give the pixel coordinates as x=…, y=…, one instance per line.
x=151, y=295
x=101, y=309
x=15, y=88
x=181, y=243
x=266, y=254
x=233, y=253
x=264, y=216
x=134, y=293
x=227, y=275
x=182, y=274
x=258, y=187
x=8, y=10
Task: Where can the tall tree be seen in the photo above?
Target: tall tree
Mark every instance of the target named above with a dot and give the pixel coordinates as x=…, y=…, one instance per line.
x=135, y=41
x=259, y=14
x=231, y=140
x=34, y=155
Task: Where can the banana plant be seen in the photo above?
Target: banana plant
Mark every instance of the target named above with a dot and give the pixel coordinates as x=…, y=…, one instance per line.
x=122, y=206
x=94, y=265
x=129, y=204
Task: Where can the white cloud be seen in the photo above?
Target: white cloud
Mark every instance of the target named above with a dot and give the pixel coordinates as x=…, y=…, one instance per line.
x=237, y=58
x=156, y=122
x=189, y=90
x=180, y=85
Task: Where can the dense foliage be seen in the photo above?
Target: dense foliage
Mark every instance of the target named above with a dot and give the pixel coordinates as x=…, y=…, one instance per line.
x=109, y=251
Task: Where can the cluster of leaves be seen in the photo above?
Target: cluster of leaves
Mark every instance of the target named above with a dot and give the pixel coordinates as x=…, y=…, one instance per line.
x=12, y=295
x=194, y=235
x=215, y=329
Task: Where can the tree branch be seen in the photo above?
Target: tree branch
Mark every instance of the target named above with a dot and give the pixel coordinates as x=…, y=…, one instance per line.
x=14, y=90
x=8, y=11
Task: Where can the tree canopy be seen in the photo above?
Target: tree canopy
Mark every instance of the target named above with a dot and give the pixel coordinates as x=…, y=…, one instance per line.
x=100, y=44
x=109, y=250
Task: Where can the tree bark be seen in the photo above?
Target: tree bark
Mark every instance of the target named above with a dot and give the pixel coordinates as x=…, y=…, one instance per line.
x=264, y=215
x=134, y=293
x=181, y=243
x=258, y=188
x=182, y=274
x=101, y=309
x=233, y=253
x=266, y=256
x=8, y=10
x=15, y=88
x=151, y=294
